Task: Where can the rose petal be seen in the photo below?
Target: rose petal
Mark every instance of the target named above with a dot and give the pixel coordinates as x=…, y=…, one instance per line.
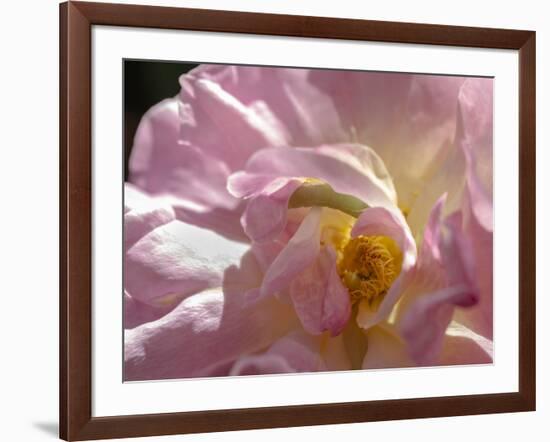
x=319, y=297
x=476, y=244
x=137, y=313
x=265, y=216
x=350, y=169
x=296, y=352
x=222, y=125
x=405, y=118
x=142, y=214
x=177, y=260
x=307, y=115
x=462, y=346
x=385, y=349
x=428, y=274
x=301, y=250
x=163, y=164
x=204, y=332
x=424, y=325
x=475, y=128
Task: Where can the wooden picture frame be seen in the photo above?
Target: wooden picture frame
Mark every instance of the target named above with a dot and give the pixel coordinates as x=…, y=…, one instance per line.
x=76, y=21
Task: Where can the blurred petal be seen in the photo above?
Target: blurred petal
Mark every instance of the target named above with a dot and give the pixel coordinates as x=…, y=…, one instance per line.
x=177, y=260
x=379, y=221
x=202, y=333
x=299, y=253
x=349, y=169
x=385, y=349
x=335, y=353
x=319, y=297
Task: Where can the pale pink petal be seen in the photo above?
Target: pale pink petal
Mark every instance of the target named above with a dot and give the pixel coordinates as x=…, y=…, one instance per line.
x=142, y=214
x=479, y=264
x=475, y=129
x=137, y=313
x=223, y=126
x=443, y=280
x=222, y=221
x=163, y=164
x=285, y=96
x=428, y=274
x=462, y=346
x=300, y=251
x=349, y=169
x=468, y=161
x=424, y=324
x=177, y=260
x=319, y=297
x=265, y=216
x=475, y=138
x=297, y=352
x=203, y=333
x=379, y=221
x=405, y=118
x=447, y=177
x=385, y=349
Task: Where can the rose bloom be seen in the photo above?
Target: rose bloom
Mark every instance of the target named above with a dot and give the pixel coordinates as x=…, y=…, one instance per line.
x=292, y=220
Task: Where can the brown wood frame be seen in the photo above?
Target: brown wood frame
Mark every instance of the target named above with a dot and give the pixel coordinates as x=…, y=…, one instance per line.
x=76, y=421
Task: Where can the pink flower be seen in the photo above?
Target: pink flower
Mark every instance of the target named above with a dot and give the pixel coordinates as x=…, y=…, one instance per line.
x=293, y=220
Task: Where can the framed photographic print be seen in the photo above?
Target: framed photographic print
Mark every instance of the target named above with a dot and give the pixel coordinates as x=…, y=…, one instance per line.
x=272, y=220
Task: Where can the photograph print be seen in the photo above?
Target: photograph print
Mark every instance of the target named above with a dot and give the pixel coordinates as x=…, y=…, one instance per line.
x=290, y=220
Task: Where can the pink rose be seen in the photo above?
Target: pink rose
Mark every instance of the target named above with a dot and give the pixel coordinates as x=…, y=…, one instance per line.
x=290, y=220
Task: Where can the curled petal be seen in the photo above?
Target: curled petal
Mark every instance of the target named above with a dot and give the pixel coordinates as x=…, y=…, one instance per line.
x=349, y=169
x=425, y=323
x=472, y=263
x=379, y=221
x=265, y=216
x=203, y=333
x=321, y=301
x=299, y=253
x=222, y=125
x=177, y=260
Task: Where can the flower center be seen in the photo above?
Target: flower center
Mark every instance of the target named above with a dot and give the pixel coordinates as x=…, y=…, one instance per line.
x=368, y=265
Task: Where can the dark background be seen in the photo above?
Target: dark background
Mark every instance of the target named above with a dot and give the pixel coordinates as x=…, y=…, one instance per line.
x=145, y=84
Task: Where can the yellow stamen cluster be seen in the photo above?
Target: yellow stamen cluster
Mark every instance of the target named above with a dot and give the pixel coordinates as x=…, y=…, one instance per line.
x=368, y=265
